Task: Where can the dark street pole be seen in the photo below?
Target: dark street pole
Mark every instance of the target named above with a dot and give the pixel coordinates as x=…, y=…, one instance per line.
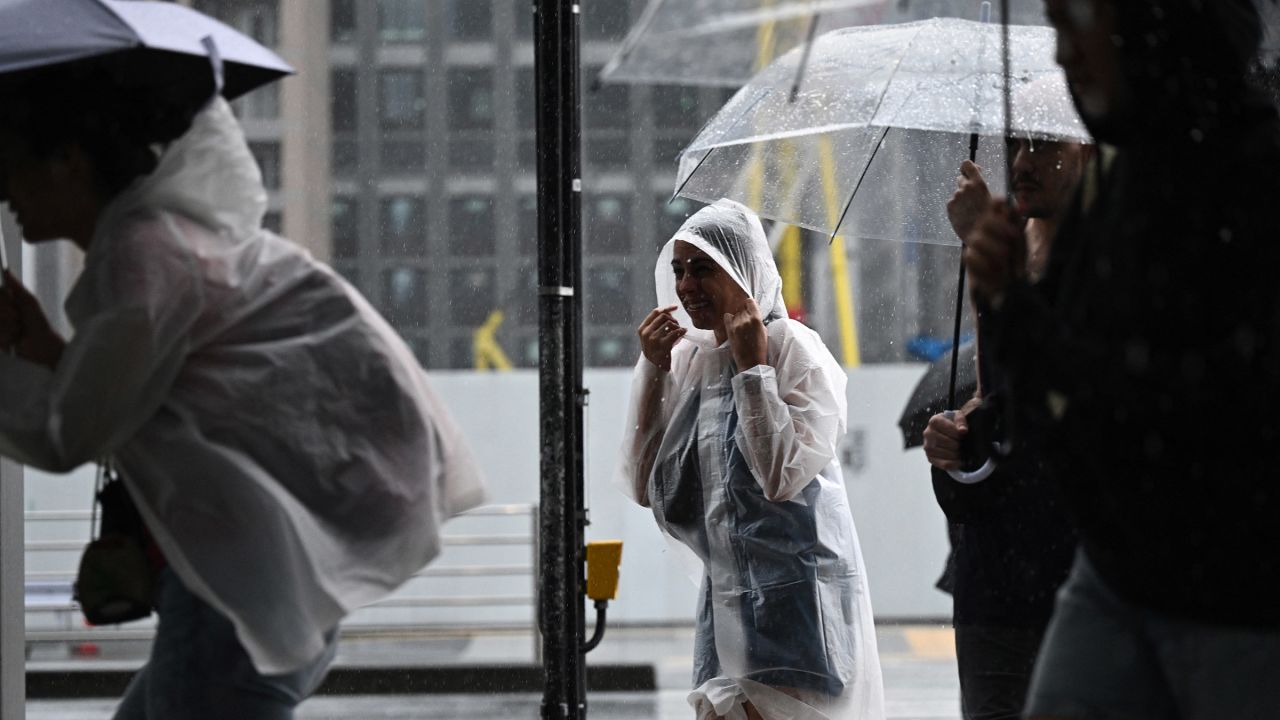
x=562, y=518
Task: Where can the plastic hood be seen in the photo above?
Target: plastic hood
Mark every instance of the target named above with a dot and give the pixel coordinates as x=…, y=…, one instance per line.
x=732, y=235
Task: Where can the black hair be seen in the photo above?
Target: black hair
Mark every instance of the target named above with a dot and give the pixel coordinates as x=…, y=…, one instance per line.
x=119, y=113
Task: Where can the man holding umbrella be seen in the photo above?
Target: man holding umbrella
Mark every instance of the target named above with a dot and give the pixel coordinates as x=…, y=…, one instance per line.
x=1148, y=367
x=1011, y=542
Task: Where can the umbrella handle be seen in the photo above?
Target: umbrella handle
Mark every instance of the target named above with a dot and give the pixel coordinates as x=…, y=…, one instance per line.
x=975, y=477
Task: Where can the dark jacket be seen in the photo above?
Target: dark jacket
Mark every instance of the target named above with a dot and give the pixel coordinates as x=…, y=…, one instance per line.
x=1150, y=365
x=1011, y=541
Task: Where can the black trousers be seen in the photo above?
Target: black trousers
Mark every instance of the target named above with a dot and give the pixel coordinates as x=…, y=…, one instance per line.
x=995, y=665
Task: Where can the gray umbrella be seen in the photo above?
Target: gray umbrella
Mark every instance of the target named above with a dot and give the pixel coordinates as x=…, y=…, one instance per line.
x=150, y=36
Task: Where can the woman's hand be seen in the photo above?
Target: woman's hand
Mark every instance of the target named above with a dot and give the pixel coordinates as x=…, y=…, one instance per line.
x=747, y=337
x=658, y=334
x=24, y=329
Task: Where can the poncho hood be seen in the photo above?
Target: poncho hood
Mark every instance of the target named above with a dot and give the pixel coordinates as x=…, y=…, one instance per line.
x=731, y=234
x=207, y=174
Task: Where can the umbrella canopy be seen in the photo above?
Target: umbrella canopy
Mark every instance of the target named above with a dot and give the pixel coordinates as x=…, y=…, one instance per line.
x=721, y=42
x=872, y=143
x=36, y=34
x=930, y=395
x=886, y=112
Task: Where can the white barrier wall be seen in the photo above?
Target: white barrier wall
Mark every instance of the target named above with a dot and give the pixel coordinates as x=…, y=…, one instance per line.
x=902, y=531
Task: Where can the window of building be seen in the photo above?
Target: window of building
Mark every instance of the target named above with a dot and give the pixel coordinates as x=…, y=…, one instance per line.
x=404, y=298
x=606, y=19
x=401, y=99
x=675, y=107
x=470, y=20
x=472, y=151
x=526, y=98
x=527, y=154
x=471, y=225
x=260, y=104
x=608, y=223
x=613, y=152
x=522, y=305
x=343, y=111
x=526, y=354
x=345, y=227
x=402, y=225
x=267, y=154
x=402, y=21
x=470, y=98
x=607, y=107
x=472, y=295
x=612, y=351
x=671, y=215
x=666, y=151
x=346, y=157
x=342, y=21
x=403, y=157
x=524, y=21
x=527, y=221
x=608, y=299
x=259, y=20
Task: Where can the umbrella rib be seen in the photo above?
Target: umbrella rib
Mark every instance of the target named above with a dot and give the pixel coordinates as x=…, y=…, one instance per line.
x=804, y=56
x=692, y=172
x=865, y=169
x=879, y=104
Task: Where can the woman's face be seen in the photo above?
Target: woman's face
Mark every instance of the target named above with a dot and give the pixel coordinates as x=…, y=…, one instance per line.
x=49, y=195
x=704, y=288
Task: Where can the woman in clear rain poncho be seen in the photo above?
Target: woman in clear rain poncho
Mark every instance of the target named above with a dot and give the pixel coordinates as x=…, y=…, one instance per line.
x=736, y=413
x=278, y=438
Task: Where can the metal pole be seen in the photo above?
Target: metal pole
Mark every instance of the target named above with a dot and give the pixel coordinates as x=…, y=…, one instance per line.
x=562, y=518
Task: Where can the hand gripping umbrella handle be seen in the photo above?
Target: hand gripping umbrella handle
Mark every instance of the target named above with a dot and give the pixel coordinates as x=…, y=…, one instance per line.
x=977, y=476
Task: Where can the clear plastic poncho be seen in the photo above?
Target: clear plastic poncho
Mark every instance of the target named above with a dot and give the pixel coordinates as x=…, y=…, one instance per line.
x=278, y=437
x=740, y=467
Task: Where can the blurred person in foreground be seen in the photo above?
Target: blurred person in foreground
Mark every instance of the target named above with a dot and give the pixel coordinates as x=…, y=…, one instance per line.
x=287, y=457
x=1011, y=542
x=1147, y=364
x=736, y=414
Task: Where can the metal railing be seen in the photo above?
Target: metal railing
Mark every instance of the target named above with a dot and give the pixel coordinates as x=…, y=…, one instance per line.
x=49, y=591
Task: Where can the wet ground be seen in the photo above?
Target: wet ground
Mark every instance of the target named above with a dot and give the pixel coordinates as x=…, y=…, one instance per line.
x=918, y=664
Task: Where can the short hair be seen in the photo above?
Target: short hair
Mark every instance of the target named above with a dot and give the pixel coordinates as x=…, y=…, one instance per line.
x=120, y=114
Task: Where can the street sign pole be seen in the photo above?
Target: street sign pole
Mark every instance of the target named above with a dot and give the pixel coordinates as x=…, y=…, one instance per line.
x=562, y=517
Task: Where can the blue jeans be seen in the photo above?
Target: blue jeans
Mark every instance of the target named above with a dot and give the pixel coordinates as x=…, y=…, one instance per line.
x=199, y=671
x=1107, y=659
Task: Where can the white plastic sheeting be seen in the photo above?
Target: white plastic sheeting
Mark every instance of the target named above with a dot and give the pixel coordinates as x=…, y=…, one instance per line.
x=740, y=467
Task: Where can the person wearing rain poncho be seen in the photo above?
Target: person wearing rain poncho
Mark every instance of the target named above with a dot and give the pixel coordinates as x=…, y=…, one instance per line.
x=279, y=440
x=736, y=414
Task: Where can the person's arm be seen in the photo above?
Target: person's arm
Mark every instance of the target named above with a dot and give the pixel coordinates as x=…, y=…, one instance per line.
x=651, y=396
x=118, y=367
x=790, y=418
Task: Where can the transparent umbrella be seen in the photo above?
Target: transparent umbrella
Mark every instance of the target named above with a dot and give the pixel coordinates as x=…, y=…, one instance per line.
x=871, y=145
x=723, y=42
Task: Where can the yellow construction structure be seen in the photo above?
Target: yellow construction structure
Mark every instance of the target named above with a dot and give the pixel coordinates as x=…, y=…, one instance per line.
x=790, y=253
x=485, y=350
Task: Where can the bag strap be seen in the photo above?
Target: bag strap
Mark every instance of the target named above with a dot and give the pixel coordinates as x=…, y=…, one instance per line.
x=105, y=475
